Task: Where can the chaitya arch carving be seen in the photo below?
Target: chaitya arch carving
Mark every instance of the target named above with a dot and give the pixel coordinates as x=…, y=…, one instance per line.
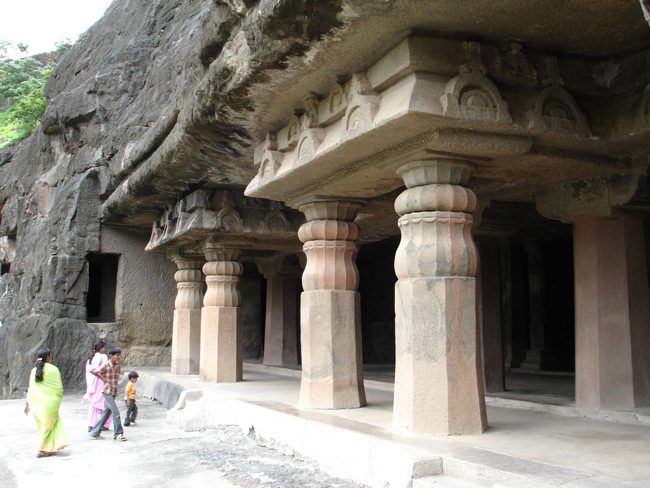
x=310, y=140
x=276, y=221
x=554, y=109
x=229, y=219
x=362, y=108
x=473, y=96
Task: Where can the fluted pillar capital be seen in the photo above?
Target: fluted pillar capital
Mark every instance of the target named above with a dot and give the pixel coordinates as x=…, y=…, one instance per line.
x=183, y=262
x=217, y=252
x=222, y=271
x=435, y=219
x=330, y=209
x=329, y=237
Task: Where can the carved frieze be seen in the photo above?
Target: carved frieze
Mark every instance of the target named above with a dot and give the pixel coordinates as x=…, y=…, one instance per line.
x=350, y=140
x=228, y=215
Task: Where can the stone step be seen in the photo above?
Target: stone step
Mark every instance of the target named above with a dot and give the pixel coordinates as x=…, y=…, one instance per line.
x=443, y=481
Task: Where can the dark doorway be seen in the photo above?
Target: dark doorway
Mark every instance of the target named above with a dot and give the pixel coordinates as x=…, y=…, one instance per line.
x=377, y=287
x=102, y=287
x=5, y=268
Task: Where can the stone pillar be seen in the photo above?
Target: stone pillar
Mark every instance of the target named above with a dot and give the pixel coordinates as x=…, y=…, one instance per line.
x=281, y=320
x=612, y=313
x=221, y=317
x=330, y=318
x=186, y=332
x=533, y=360
x=437, y=384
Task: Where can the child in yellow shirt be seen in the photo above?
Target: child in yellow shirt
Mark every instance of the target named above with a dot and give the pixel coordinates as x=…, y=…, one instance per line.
x=129, y=398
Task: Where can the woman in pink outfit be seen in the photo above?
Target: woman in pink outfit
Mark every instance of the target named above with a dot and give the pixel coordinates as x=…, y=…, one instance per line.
x=95, y=385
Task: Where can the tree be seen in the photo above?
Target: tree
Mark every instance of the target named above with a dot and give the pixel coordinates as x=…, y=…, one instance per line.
x=22, y=90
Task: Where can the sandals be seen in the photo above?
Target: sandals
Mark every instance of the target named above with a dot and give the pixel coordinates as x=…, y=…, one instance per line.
x=41, y=454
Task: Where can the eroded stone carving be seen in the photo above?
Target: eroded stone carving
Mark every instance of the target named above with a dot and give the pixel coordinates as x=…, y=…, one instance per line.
x=362, y=108
x=513, y=67
x=597, y=196
x=333, y=106
x=276, y=221
x=228, y=219
x=471, y=95
x=642, y=117
x=554, y=109
x=227, y=213
x=310, y=140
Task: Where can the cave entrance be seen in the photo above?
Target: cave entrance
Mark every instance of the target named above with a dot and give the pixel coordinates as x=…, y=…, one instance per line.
x=102, y=287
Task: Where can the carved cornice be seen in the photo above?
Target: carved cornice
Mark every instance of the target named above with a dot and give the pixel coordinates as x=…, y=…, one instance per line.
x=227, y=217
x=426, y=92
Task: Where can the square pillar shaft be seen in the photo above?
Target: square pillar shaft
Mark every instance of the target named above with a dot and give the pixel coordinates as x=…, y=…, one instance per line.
x=438, y=389
x=332, y=371
x=281, y=327
x=186, y=331
x=221, y=317
x=612, y=313
x=221, y=344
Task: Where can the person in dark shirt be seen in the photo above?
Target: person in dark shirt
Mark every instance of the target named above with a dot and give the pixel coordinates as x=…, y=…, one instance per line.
x=110, y=374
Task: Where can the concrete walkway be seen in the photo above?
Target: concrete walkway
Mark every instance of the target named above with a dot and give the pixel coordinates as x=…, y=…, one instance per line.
x=156, y=454
x=521, y=448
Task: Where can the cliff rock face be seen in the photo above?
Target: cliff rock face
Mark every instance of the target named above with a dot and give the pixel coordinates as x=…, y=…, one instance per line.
x=152, y=82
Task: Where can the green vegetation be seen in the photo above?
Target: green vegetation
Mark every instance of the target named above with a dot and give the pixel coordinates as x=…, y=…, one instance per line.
x=22, y=91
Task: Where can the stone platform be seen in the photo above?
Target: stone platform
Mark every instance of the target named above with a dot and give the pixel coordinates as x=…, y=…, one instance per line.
x=527, y=444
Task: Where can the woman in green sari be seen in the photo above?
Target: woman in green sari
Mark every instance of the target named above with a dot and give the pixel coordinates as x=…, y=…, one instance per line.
x=43, y=400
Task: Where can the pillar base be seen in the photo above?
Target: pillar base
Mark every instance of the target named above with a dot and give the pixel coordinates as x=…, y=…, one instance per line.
x=437, y=387
x=221, y=344
x=186, y=341
x=332, y=375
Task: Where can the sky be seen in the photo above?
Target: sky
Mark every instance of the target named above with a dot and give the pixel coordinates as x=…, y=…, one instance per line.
x=42, y=23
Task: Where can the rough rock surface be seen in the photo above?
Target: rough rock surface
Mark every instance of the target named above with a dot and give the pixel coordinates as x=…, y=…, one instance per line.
x=151, y=82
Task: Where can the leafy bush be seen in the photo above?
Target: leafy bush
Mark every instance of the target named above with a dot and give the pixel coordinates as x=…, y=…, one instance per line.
x=22, y=93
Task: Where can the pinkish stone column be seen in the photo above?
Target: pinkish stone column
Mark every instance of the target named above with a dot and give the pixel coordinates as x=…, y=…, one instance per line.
x=330, y=317
x=186, y=332
x=281, y=320
x=221, y=317
x=437, y=386
x=612, y=313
